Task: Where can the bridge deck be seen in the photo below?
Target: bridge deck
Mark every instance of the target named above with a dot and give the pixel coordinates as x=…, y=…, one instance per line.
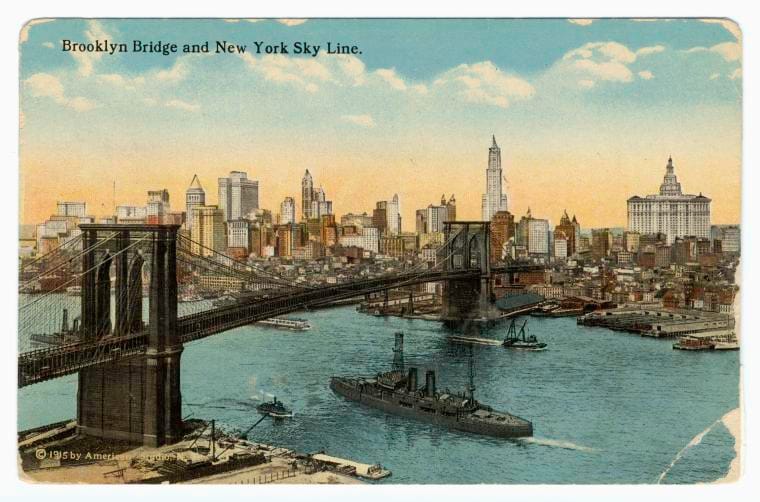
x=45, y=364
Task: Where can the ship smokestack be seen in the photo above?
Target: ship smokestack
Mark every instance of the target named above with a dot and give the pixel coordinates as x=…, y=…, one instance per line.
x=411, y=381
x=65, y=322
x=430, y=383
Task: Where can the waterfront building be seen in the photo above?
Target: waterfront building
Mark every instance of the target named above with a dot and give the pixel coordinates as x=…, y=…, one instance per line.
x=238, y=235
x=380, y=217
x=328, y=230
x=207, y=234
x=631, y=241
x=195, y=196
x=238, y=196
x=533, y=233
x=358, y=220
x=420, y=221
x=392, y=246
x=157, y=206
x=493, y=200
x=393, y=215
x=435, y=217
x=670, y=212
x=729, y=237
x=502, y=230
x=368, y=239
x=288, y=211
x=131, y=214
x=78, y=209
x=284, y=240
x=601, y=243
x=560, y=246
x=451, y=207
x=567, y=230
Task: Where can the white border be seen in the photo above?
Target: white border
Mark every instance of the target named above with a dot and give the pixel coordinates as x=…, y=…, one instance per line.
x=14, y=16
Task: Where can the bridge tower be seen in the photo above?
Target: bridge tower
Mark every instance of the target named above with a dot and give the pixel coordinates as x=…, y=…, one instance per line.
x=467, y=247
x=137, y=399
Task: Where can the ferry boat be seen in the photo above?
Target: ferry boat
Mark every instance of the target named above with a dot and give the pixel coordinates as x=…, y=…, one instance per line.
x=693, y=343
x=288, y=324
x=720, y=341
x=515, y=340
x=274, y=409
x=727, y=341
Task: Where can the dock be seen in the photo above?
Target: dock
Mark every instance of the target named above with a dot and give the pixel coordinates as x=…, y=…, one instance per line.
x=367, y=471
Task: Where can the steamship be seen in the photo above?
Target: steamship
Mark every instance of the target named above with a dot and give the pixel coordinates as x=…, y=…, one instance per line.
x=397, y=392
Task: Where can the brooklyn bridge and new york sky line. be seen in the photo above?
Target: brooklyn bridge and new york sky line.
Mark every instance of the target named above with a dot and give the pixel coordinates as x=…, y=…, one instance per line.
x=586, y=117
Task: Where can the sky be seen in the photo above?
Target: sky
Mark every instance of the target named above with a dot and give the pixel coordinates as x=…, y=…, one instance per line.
x=586, y=113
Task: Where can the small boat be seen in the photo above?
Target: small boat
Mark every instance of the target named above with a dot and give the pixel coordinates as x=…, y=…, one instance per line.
x=726, y=342
x=515, y=340
x=274, y=409
x=74, y=290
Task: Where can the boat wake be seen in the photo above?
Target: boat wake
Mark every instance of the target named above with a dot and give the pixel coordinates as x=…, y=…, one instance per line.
x=555, y=443
x=695, y=441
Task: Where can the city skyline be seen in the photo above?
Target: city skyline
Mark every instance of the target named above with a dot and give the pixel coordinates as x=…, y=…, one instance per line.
x=582, y=125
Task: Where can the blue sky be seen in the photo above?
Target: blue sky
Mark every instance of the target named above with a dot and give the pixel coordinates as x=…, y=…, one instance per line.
x=577, y=100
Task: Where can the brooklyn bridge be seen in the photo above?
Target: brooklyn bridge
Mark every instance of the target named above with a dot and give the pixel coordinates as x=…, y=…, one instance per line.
x=129, y=367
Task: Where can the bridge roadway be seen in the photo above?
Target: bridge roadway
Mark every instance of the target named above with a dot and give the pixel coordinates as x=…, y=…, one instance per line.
x=45, y=364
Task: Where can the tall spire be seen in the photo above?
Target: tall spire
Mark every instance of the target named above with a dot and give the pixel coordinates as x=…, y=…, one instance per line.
x=195, y=183
x=493, y=136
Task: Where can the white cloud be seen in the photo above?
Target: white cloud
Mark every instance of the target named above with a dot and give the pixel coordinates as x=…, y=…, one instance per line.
x=49, y=45
x=87, y=60
x=730, y=51
x=177, y=72
x=391, y=77
x=46, y=85
x=182, y=105
x=484, y=83
x=291, y=22
x=737, y=73
x=714, y=76
x=729, y=25
x=586, y=83
x=23, y=35
x=120, y=80
x=602, y=61
x=364, y=120
x=582, y=22
x=645, y=51
x=646, y=75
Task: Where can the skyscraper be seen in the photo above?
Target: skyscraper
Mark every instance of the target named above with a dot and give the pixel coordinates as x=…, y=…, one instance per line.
x=493, y=200
x=670, y=212
x=208, y=231
x=158, y=205
x=238, y=195
x=393, y=215
x=307, y=194
x=288, y=211
x=78, y=209
x=194, y=197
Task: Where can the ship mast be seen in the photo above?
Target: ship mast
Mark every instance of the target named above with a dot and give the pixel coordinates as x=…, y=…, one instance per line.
x=471, y=384
x=398, y=352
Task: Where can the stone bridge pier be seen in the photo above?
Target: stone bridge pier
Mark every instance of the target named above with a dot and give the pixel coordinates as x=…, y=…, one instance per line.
x=467, y=247
x=137, y=399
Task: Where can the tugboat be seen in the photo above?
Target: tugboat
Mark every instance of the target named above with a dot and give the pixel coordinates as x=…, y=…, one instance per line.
x=397, y=392
x=274, y=409
x=515, y=340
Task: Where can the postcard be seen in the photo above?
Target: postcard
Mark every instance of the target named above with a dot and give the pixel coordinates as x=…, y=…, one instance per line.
x=380, y=251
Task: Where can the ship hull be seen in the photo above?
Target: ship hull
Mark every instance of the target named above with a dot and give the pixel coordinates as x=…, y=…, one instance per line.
x=521, y=427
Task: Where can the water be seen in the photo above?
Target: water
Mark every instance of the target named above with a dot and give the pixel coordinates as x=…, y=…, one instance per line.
x=607, y=407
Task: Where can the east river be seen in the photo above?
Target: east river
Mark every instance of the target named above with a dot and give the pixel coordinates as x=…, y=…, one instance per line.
x=607, y=407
